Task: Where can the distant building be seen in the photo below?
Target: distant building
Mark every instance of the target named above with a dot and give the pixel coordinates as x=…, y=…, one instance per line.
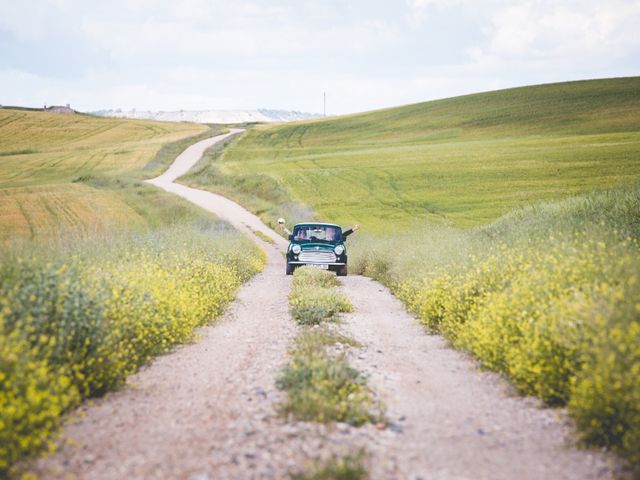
x=59, y=109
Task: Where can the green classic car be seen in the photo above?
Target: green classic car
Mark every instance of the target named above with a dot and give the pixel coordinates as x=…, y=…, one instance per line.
x=318, y=244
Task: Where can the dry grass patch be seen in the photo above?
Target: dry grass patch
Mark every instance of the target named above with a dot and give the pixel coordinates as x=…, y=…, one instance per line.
x=45, y=210
x=57, y=172
x=336, y=467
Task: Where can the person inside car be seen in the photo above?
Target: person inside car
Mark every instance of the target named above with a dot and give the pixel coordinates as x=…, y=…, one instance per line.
x=303, y=235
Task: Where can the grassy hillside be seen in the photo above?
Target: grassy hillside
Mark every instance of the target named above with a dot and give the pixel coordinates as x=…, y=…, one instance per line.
x=47, y=162
x=465, y=160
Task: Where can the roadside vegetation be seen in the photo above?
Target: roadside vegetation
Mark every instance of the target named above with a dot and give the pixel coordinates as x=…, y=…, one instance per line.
x=98, y=271
x=75, y=324
x=347, y=467
x=320, y=384
x=314, y=298
x=548, y=295
x=168, y=152
x=508, y=221
x=264, y=237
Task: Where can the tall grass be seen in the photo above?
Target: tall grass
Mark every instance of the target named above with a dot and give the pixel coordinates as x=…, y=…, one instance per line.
x=75, y=322
x=548, y=295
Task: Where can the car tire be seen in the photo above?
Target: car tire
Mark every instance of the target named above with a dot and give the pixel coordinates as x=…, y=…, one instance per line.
x=290, y=269
x=342, y=271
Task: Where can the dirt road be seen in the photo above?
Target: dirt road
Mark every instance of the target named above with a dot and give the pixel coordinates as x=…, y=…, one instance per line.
x=224, y=208
x=208, y=410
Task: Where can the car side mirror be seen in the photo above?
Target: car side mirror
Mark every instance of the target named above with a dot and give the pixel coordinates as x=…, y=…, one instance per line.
x=290, y=237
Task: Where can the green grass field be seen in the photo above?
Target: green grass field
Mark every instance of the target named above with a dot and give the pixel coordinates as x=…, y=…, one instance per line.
x=50, y=165
x=465, y=161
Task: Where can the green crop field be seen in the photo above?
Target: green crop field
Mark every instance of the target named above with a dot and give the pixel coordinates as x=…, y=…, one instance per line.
x=465, y=160
x=47, y=158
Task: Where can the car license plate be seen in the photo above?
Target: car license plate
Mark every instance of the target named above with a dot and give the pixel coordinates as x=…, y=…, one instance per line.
x=320, y=266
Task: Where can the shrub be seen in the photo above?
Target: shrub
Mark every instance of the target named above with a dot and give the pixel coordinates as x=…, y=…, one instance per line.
x=77, y=326
x=33, y=395
x=346, y=467
x=323, y=387
x=314, y=277
x=548, y=295
x=605, y=394
x=313, y=298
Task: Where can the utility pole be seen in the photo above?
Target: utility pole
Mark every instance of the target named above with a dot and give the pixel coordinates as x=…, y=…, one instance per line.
x=324, y=98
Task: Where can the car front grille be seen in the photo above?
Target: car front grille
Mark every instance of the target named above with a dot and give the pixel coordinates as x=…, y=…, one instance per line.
x=317, y=257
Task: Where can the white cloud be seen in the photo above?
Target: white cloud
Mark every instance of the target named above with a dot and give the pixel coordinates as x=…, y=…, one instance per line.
x=175, y=54
x=27, y=22
x=551, y=29
x=418, y=10
x=249, y=30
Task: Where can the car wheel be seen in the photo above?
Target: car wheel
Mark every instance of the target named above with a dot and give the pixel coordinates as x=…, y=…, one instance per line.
x=290, y=269
x=342, y=271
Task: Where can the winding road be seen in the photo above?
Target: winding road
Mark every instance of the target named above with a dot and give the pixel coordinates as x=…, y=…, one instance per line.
x=209, y=410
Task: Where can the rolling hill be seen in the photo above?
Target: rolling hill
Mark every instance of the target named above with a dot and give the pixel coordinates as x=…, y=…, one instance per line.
x=465, y=160
x=47, y=161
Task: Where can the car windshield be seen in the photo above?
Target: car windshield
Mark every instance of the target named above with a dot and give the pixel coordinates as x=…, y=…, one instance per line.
x=317, y=233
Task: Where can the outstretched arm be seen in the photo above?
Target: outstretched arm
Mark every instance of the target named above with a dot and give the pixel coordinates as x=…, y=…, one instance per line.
x=346, y=233
x=282, y=225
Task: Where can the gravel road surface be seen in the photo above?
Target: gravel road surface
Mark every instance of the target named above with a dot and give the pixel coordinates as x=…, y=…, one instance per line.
x=208, y=410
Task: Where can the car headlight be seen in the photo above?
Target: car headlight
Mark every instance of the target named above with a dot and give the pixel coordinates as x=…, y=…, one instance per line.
x=339, y=249
x=296, y=249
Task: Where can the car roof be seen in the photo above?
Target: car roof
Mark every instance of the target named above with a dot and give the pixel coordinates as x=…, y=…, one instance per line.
x=313, y=224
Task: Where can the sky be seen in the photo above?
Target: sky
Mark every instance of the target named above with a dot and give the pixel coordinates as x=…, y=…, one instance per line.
x=285, y=54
